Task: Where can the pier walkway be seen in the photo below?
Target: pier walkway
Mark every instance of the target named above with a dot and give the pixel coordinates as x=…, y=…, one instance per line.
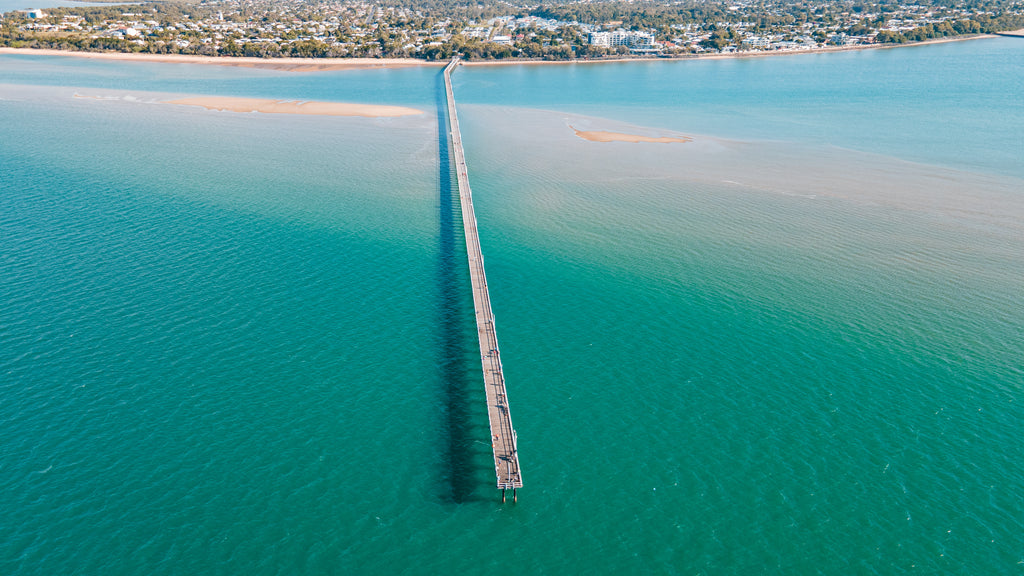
x=503, y=436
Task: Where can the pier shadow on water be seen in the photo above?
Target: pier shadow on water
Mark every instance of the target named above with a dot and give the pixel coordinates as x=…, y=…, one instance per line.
x=455, y=341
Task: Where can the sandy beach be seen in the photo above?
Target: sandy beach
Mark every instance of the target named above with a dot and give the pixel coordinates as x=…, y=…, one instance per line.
x=284, y=64
x=332, y=64
x=752, y=54
x=604, y=136
x=266, y=106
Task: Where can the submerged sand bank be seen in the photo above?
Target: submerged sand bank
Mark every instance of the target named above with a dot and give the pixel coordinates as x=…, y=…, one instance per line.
x=604, y=136
x=267, y=106
x=285, y=64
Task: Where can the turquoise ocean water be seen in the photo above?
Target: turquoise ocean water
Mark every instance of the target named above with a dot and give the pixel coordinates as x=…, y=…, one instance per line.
x=243, y=343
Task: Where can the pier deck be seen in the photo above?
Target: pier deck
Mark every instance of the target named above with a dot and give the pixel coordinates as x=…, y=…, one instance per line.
x=503, y=436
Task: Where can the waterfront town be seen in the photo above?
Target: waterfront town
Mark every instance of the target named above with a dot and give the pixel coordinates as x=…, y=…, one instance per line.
x=499, y=30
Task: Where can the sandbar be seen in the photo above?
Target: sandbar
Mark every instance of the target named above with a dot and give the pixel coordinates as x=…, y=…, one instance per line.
x=267, y=106
x=603, y=136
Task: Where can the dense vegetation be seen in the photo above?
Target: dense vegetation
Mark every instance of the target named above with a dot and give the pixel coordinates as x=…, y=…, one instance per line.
x=431, y=29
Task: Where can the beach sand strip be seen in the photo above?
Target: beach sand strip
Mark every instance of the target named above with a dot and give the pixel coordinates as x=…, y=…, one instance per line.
x=284, y=64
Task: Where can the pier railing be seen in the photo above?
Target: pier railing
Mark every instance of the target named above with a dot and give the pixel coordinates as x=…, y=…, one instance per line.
x=503, y=435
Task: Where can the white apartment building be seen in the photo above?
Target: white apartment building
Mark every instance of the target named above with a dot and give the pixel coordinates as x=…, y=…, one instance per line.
x=756, y=43
x=621, y=37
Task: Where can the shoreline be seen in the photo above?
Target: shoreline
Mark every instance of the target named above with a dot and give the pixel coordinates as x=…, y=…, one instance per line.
x=284, y=64
x=734, y=55
x=338, y=64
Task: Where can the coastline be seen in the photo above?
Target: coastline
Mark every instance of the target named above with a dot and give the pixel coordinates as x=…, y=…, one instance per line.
x=338, y=64
x=759, y=54
x=283, y=64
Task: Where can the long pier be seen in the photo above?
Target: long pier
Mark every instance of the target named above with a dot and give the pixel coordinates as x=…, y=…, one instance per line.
x=503, y=436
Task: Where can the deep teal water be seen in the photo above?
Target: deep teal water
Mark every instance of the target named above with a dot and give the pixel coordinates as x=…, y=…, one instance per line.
x=243, y=343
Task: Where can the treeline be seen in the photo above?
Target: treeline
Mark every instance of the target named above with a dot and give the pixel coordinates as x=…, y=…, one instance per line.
x=471, y=49
x=13, y=38
x=310, y=49
x=392, y=36
x=652, y=15
x=465, y=11
x=980, y=25
x=634, y=15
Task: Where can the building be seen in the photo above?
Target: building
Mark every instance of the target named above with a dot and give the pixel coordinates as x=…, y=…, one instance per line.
x=635, y=41
x=756, y=43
